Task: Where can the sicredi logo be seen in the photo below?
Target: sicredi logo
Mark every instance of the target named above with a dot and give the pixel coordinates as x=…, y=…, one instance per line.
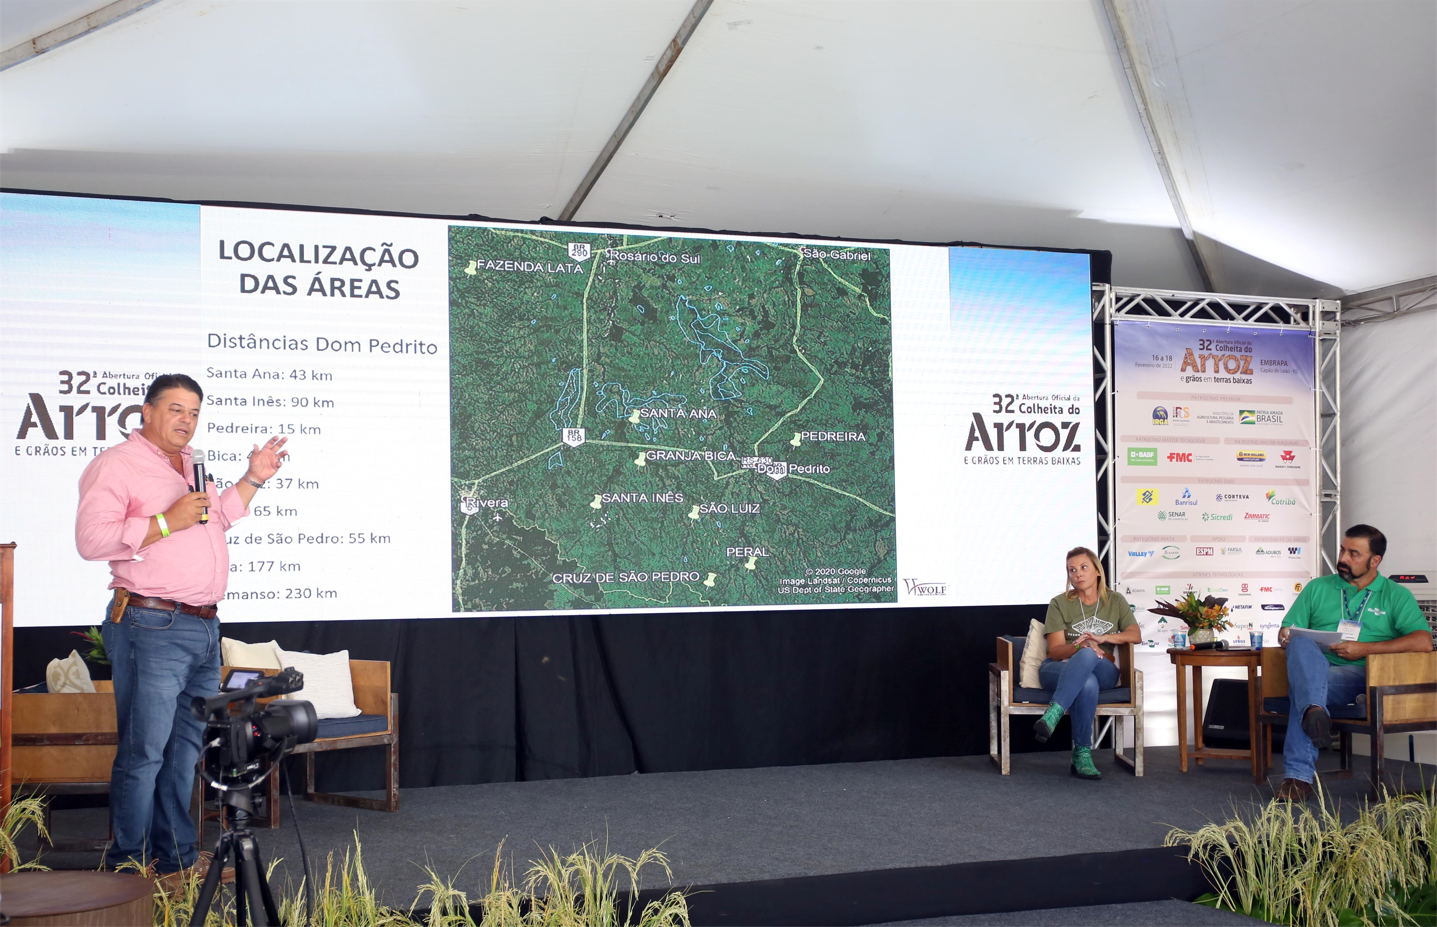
x=1212, y=516
x=1147, y=497
x=1252, y=456
x=1142, y=457
x=1180, y=457
x=1160, y=416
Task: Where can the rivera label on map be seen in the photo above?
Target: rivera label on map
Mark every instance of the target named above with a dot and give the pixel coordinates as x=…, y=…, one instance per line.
x=655, y=422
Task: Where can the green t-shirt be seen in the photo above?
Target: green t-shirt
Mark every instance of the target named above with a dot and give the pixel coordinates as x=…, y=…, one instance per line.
x=1075, y=619
x=1391, y=611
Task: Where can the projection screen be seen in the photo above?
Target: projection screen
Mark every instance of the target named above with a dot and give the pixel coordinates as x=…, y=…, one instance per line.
x=508, y=419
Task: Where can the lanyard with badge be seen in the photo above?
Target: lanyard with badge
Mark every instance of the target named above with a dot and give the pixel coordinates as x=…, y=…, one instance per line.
x=1348, y=626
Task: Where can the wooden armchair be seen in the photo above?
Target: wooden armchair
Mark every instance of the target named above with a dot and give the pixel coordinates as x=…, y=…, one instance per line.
x=1401, y=697
x=1006, y=698
x=376, y=726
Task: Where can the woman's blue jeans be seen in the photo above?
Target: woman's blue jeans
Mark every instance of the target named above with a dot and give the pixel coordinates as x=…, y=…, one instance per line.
x=1075, y=684
x=161, y=660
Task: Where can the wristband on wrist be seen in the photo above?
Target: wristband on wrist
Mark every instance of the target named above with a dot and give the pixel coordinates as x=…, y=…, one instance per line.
x=164, y=528
x=256, y=485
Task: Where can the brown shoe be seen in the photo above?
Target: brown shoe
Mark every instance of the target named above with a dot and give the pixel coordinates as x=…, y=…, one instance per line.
x=1293, y=790
x=172, y=882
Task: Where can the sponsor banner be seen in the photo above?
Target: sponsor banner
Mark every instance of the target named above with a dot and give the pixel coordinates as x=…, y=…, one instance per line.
x=1216, y=482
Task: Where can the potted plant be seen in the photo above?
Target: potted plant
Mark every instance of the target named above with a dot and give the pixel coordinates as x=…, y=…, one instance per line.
x=1204, y=617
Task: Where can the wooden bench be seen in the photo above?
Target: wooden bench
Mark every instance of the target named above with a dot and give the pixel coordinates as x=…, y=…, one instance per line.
x=63, y=743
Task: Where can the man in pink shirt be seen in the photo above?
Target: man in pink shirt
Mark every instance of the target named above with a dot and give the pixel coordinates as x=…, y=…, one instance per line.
x=169, y=568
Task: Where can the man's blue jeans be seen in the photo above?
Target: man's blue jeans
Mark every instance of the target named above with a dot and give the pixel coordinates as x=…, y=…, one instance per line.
x=1075, y=684
x=1311, y=680
x=161, y=660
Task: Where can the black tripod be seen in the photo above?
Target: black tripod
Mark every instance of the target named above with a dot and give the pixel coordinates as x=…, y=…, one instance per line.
x=253, y=902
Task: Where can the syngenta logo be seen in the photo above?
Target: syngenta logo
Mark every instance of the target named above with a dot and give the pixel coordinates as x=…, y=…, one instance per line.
x=1274, y=499
x=1142, y=457
x=918, y=588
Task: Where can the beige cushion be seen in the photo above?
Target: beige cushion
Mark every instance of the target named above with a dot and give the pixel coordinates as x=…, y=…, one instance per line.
x=327, y=682
x=1034, y=653
x=255, y=656
x=69, y=675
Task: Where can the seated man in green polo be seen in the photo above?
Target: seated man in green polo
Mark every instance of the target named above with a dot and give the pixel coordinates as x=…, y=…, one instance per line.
x=1374, y=615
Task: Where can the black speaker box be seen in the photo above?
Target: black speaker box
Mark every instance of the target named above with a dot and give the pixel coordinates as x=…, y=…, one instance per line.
x=1224, y=722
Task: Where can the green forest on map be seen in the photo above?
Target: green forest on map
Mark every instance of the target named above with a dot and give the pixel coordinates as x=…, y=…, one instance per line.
x=713, y=380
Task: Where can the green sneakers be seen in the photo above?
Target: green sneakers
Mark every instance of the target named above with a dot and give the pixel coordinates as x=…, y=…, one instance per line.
x=1044, y=726
x=1083, y=766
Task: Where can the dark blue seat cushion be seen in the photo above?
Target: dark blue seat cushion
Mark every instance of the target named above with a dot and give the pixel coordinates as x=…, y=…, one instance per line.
x=349, y=727
x=1279, y=705
x=1043, y=696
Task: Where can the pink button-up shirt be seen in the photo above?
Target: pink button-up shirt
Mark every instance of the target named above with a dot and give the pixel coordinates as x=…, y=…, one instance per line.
x=119, y=491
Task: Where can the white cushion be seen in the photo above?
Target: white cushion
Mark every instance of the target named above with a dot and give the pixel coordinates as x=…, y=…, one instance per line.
x=1035, y=651
x=69, y=675
x=254, y=656
x=327, y=682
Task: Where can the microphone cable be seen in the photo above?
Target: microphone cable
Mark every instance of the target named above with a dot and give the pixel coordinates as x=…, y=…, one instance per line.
x=303, y=857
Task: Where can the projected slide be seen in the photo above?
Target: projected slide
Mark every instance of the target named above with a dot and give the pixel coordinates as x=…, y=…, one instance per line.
x=500, y=419
x=701, y=422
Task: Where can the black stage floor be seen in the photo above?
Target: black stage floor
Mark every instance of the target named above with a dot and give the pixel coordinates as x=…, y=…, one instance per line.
x=890, y=825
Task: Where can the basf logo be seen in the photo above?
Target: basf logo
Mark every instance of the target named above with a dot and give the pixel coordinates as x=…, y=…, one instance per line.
x=1163, y=590
x=1204, y=551
x=1142, y=457
x=1170, y=552
x=1252, y=457
x=1147, y=497
x=1274, y=499
x=1160, y=416
x=1186, y=498
x=1180, y=457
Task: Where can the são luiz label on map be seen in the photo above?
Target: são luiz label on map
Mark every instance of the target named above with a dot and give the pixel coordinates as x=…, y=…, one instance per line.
x=656, y=422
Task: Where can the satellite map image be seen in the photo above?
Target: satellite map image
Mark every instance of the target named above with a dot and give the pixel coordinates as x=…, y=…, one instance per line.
x=642, y=421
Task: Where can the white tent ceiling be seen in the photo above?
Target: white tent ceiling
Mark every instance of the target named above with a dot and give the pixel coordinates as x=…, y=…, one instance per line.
x=1302, y=136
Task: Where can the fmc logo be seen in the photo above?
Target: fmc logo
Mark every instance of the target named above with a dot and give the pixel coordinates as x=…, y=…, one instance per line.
x=1180, y=457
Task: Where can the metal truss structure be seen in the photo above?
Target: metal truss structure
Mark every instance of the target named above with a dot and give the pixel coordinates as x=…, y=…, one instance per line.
x=1322, y=317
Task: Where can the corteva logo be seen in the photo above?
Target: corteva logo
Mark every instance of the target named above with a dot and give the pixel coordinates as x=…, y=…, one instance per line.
x=1274, y=499
x=1232, y=497
x=1142, y=457
x=917, y=588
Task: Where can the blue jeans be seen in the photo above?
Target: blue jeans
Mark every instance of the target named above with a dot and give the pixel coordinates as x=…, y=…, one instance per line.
x=161, y=660
x=1311, y=680
x=1075, y=684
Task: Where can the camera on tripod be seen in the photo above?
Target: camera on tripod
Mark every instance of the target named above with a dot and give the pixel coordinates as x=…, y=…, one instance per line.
x=240, y=749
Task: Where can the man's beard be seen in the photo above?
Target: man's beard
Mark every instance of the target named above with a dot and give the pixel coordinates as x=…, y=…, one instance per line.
x=1345, y=572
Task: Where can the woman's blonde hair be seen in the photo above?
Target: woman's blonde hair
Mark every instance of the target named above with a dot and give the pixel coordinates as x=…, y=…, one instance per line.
x=1071, y=592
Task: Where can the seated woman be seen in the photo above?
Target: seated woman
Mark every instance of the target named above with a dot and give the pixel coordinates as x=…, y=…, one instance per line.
x=1083, y=625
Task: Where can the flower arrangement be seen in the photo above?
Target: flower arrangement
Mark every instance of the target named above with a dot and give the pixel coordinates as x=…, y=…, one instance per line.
x=1206, y=614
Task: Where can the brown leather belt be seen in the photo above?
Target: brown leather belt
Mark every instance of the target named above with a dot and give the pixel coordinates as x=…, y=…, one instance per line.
x=169, y=605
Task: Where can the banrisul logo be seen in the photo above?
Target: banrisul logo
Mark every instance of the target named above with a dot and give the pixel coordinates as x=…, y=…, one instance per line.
x=1274, y=499
x=1186, y=498
x=1142, y=457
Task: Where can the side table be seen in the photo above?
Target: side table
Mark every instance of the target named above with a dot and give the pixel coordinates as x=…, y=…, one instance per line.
x=1197, y=659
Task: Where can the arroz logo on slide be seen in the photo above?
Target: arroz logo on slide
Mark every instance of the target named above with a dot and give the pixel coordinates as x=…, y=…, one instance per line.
x=917, y=588
x=1142, y=457
x=1147, y=497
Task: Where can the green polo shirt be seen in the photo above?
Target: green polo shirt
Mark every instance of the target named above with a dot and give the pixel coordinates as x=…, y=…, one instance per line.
x=1391, y=612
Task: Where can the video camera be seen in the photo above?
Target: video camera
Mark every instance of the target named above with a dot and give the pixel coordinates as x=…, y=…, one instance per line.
x=237, y=746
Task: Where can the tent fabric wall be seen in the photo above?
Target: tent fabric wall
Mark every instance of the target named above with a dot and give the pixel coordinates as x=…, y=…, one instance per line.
x=1389, y=436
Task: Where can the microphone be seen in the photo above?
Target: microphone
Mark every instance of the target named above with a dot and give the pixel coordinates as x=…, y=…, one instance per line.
x=1211, y=645
x=198, y=457
x=284, y=682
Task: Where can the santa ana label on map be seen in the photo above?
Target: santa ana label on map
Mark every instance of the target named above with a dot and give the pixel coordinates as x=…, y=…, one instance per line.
x=656, y=422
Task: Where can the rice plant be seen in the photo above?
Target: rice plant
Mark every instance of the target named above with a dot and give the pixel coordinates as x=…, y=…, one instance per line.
x=582, y=889
x=20, y=814
x=1291, y=864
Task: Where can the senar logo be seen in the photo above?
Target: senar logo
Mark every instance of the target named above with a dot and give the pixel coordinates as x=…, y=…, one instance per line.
x=1142, y=457
x=1147, y=497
